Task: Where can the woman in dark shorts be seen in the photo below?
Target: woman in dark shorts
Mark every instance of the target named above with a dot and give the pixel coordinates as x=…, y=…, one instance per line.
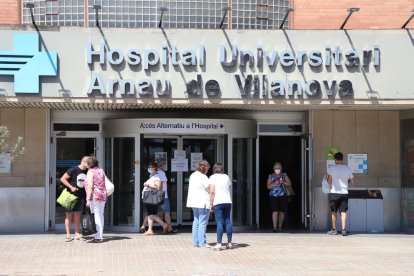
x=278, y=199
x=75, y=179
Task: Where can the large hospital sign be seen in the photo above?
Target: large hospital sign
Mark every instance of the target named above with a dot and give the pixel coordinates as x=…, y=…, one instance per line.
x=246, y=66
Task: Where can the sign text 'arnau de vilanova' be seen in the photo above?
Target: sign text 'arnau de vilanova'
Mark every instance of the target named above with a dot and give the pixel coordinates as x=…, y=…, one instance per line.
x=250, y=85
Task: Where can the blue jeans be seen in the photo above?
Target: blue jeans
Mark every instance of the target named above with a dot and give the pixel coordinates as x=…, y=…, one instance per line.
x=199, y=226
x=222, y=212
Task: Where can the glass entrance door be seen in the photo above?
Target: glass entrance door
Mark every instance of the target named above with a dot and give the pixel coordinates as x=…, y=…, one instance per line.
x=68, y=152
x=242, y=184
x=122, y=201
x=206, y=148
x=156, y=148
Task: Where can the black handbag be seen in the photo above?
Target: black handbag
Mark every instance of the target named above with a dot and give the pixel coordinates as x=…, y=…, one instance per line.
x=88, y=224
x=153, y=197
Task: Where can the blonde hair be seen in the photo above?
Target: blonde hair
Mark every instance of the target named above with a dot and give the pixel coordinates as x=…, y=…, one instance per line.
x=92, y=162
x=203, y=167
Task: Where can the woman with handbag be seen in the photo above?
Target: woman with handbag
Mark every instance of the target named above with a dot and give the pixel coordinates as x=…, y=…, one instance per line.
x=153, y=183
x=276, y=183
x=74, y=180
x=96, y=195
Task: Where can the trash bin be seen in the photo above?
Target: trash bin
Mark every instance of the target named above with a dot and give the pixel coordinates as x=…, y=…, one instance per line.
x=365, y=211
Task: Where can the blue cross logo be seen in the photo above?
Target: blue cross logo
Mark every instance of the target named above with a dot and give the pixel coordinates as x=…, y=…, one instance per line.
x=27, y=64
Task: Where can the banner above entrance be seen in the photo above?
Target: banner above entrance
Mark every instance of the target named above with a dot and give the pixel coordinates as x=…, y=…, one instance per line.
x=182, y=126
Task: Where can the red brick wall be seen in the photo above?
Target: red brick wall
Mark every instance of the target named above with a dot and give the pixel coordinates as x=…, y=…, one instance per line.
x=10, y=12
x=330, y=14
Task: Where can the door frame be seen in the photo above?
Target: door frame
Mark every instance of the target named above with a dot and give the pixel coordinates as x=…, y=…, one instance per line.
x=308, y=216
x=306, y=170
x=250, y=181
x=137, y=151
x=52, y=175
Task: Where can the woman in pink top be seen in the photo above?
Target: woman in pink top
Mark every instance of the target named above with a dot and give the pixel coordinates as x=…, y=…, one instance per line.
x=96, y=195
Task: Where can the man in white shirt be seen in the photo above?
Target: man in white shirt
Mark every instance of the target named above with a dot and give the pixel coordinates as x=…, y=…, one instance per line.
x=339, y=177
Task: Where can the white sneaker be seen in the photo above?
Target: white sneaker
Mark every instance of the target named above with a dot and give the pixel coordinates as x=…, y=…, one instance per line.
x=229, y=245
x=217, y=247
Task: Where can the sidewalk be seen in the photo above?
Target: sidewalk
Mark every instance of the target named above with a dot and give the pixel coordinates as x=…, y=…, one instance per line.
x=253, y=254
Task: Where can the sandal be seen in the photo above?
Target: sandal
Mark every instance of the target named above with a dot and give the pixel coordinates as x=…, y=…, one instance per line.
x=142, y=230
x=148, y=233
x=79, y=238
x=68, y=239
x=173, y=230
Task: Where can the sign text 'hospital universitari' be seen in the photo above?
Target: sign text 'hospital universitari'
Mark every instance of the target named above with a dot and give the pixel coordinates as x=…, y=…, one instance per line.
x=250, y=85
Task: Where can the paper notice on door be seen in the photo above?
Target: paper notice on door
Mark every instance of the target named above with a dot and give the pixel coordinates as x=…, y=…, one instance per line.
x=179, y=154
x=179, y=165
x=196, y=157
x=5, y=161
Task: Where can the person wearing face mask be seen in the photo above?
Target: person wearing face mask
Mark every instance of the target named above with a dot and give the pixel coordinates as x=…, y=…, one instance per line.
x=153, y=183
x=166, y=205
x=278, y=198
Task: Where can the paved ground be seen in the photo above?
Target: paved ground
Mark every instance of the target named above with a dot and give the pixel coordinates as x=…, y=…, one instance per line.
x=254, y=254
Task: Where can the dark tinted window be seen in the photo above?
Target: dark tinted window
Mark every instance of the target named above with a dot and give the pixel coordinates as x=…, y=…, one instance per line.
x=76, y=127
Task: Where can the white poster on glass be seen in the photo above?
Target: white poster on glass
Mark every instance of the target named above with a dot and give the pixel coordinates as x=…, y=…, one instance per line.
x=5, y=161
x=179, y=154
x=179, y=165
x=196, y=157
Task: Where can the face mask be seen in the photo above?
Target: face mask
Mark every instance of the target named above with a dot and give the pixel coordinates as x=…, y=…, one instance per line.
x=149, y=170
x=277, y=171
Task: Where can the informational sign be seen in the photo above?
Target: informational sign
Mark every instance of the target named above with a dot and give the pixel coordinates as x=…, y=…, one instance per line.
x=358, y=162
x=179, y=165
x=161, y=156
x=5, y=161
x=330, y=152
x=196, y=157
x=179, y=154
x=182, y=126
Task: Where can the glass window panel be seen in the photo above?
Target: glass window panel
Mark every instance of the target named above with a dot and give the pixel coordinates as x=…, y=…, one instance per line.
x=124, y=177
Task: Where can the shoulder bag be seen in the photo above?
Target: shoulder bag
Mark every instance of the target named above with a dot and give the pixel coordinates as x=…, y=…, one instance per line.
x=153, y=197
x=289, y=190
x=326, y=188
x=67, y=200
x=109, y=186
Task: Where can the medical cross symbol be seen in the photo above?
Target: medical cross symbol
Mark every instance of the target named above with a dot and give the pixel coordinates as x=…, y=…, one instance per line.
x=27, y=64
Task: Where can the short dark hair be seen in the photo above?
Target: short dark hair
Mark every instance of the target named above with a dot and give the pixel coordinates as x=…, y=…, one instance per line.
x=92, y=162
x=218, y=168
x=339, y=156
x=152, y=165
